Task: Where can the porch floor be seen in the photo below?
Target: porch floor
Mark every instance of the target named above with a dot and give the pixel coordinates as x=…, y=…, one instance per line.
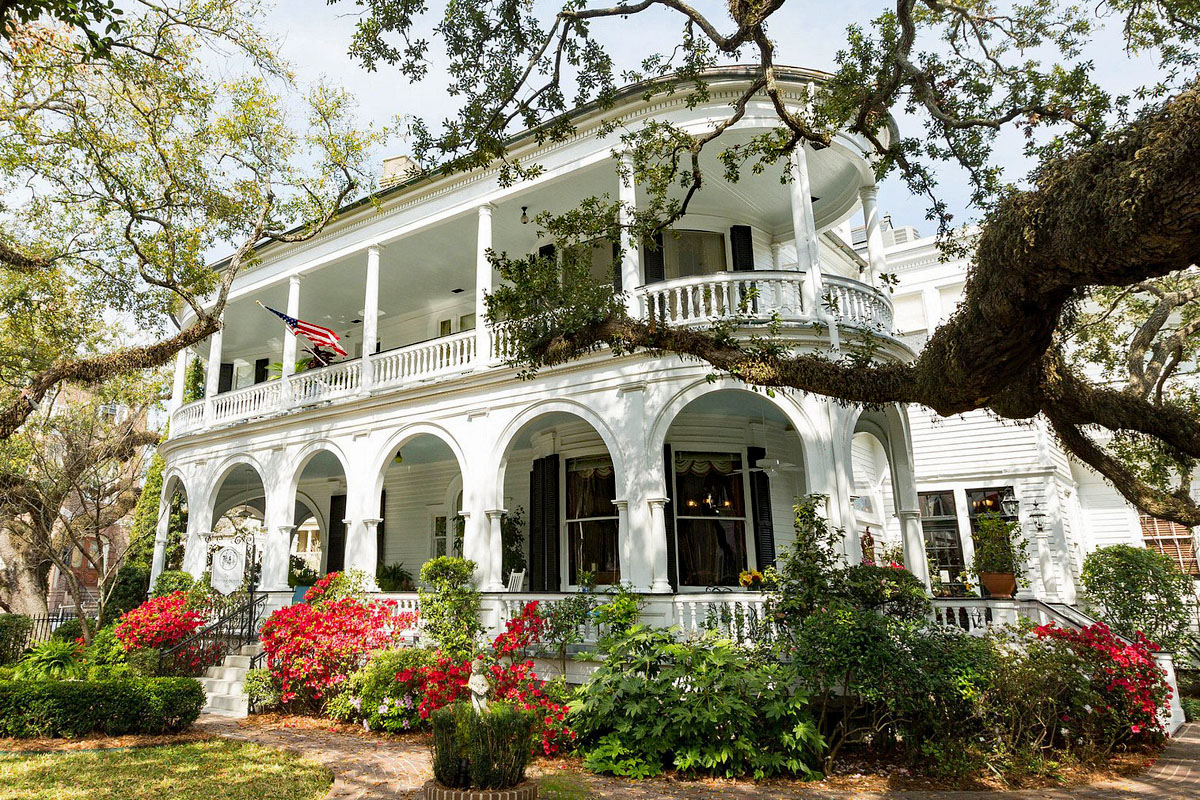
x=374, y=768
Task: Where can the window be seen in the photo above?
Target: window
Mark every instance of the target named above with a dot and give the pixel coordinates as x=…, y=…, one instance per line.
x=710, y=518
x=693, y=253
x=591, y=517
x=467, y=322
x=987, y=501
x=445, y=327
x=441, y=543
x=943, y=545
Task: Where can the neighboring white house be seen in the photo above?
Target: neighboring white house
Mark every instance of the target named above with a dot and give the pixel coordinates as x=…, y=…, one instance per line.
x=640, y=469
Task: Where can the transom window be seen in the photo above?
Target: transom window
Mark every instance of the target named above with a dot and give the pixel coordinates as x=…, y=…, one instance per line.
x=591, y=520
x=710, y=518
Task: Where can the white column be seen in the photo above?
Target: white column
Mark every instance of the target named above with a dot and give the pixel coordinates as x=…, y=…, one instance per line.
x=370, y=318
x=483, y=284
x=631, y=257
x=931, y=299
x=660, y=582
x=289, y=341
x=808, y=250
x=162, y=532
x=913, y=542
x=178, y=387
x=496, y=580
x=776, y=255
x=213, y=379
x=625, y=544
x=276, y=557
x=362, y=547
x=876, y=260
x=199, y=528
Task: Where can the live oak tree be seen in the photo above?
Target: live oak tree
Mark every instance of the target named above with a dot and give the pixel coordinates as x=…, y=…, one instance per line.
x=123, y=170
x=1081, y=299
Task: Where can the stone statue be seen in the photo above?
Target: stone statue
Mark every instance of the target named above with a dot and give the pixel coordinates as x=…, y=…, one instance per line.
x=868, y=546
x=479, y=686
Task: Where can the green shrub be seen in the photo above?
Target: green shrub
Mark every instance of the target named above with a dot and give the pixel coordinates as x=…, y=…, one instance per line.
x=71, y=630
x=394, y=578
x=301, y=574
x=375, y=695
x=262, y=689
x=704, y=706
x=1191, y=708
x=14, y=636
x=481, y=751
x=999, y=546
x=51, y=660
x=115, y=708
x=130, y=588
x=1137, y=589
x=106, y=649
x=170, y=581
x=450, y=606
x=888, y=590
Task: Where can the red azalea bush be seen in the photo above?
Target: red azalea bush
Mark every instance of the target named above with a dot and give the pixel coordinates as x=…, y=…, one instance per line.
x=311, y=649
x=1124, y=675
x=159, y=622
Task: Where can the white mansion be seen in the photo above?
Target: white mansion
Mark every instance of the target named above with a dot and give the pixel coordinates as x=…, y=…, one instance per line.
x=638, y=469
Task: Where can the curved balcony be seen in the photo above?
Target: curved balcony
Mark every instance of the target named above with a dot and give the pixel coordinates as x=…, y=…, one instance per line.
x=751, y=297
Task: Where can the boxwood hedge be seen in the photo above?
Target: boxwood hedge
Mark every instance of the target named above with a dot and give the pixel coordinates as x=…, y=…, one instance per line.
x=115, y=707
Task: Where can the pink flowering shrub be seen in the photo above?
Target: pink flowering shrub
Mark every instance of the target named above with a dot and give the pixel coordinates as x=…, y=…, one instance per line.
x=159, y=622
x=1129, y=687
x=312, y=649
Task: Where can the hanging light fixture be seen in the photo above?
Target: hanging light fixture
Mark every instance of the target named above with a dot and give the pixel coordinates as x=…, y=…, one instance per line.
x=1009, y=503
x=524, y=215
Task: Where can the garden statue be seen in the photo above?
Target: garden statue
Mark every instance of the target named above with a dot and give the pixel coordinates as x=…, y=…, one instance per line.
x=868, y=546
x=479, y=686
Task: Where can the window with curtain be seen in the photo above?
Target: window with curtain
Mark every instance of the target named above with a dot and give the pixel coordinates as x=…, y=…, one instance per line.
x=710, y=518
x=689, y=253
x=592, y=520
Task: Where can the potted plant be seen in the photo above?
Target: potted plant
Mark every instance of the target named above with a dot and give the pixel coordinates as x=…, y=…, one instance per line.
x=1000, y=550
x=480, y=752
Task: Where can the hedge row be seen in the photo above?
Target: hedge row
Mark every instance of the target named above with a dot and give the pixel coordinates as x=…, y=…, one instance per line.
x=117, y=707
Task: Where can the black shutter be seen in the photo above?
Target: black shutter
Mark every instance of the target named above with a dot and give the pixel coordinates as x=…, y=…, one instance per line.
x=335, y=561
x=669, y=516
x=260, y=369
x=543, y=525
x=760, y=510
x=380, y=536
x=616, y=266
x=652, y=261
x=225, y=379
x=741, y=242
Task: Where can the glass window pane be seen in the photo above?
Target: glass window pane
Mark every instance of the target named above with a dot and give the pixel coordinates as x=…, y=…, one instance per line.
x=593, y=547
x=591, y=488
x=709, y=485
x=694, y=253
x=712, y=552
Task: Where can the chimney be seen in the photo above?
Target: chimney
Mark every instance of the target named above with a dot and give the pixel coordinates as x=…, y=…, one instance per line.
x=397, y=169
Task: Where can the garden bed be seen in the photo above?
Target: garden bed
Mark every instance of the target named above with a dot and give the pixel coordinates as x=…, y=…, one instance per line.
x=98, y=742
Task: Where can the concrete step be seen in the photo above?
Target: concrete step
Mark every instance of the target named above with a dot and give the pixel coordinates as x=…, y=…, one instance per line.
x=237, y=661
x=219, y=686
x=232, y=706
x=226, y=673
x=251, y=650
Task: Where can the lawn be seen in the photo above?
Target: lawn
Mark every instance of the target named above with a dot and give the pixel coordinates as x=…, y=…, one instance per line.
x=211, y=770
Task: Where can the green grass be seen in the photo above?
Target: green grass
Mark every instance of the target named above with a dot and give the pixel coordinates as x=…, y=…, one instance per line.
x=211, y=770
x=562, y=787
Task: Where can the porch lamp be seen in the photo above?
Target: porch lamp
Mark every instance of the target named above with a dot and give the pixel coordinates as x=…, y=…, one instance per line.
x=524, y=215
x=1010, y=504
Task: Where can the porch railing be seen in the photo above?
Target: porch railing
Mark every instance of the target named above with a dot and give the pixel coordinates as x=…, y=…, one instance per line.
x=430, y=359
x=247, y=402
x=207, y=647
x=704, y=299
x=326, y=383
x=854, y=303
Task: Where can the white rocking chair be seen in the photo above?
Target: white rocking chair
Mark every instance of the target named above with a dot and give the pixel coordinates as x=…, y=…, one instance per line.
x=516, y=580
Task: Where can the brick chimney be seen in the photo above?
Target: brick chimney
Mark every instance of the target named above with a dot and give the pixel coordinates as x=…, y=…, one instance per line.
x=397, y=169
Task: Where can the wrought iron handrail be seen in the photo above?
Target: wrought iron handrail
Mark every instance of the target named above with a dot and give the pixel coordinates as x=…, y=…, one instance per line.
x=209, y=645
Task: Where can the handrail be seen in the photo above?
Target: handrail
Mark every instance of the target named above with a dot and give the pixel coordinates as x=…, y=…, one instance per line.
x=209, y=646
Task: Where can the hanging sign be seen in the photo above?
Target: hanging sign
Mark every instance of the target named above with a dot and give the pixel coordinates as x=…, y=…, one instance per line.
x=228, y=569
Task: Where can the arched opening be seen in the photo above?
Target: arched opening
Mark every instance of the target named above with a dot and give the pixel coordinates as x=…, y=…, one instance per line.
x=239, y=508
x=734, y=465
x=421, y=505
x=560, y=484
x=874, y=500
x=175, y=507
x=318, y=510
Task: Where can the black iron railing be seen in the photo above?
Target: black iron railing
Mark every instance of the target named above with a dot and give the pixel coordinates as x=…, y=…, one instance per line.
x=207, y=647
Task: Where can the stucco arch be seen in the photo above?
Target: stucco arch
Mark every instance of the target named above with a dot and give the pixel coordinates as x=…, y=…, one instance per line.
x=401, y=437
x=794, y=414
x=301, y=460
x=890, y=427
x=559, y=406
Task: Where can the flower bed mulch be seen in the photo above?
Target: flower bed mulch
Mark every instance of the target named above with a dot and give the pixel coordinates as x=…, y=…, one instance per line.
x=100, y=742
x=301, y=722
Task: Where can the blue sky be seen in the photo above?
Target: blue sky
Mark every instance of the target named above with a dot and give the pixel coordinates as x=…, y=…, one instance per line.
x=314, y=37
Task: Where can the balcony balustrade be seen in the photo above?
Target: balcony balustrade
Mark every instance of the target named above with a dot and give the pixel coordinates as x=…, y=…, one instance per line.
x=741, y=297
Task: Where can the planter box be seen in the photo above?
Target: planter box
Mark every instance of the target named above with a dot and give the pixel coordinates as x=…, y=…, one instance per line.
x=435, y=791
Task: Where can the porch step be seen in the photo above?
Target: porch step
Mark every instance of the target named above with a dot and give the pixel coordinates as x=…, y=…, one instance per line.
x=225, y=685
x=229, y=706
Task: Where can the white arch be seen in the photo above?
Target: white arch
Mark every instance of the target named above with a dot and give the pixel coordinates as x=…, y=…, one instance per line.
x=307, y=454
x=682, y=399
x=560, y=406
x=226, y=468
x=402, y=437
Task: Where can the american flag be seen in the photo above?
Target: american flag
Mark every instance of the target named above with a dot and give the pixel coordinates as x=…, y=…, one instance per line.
x=318, y=335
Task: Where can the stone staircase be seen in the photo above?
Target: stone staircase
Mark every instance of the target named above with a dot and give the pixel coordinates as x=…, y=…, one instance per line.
x=224, y=685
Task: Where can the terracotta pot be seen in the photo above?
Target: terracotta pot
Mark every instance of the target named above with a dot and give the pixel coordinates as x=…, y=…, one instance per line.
x=999, y=584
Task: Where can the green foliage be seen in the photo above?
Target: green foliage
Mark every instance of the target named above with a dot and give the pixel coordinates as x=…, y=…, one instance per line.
x=394, y=578
x=374, y=695
x=999, y=546
x=14, y=634
x=51, y=660
x=193, y=381
x=512, y=541
x=262, y=689
x=564, y=621
x=808, y=568
x=1137, y=589
x=70, y=630
x=450, y=605
x=887, y=590
x=171, y=581
x=105, y=649
x=115, y=708
x=1191, y=708
x=300, y=574
x=130, y=587
x=702, y=707
x=481, y=751
x=99, y=21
